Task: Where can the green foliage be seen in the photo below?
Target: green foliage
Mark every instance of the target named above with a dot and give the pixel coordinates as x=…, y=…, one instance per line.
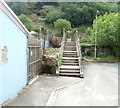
x=86, y=34
x=107, y=30
x=35, y=34
x=46, y=9
x=82, y=29
x=19, y=7
x=84, y=13
x=60, y=24
x=108, y=58
x=26, y=21
x=107, y=27
x=52, y=16
x=32, y=5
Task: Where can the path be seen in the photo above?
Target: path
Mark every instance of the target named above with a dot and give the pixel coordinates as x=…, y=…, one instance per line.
x=70, y=62
x=70, y=53
x=38, y=93
x=98, y=88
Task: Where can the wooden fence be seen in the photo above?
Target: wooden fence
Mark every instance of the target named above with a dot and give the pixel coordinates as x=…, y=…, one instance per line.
x=34, y=59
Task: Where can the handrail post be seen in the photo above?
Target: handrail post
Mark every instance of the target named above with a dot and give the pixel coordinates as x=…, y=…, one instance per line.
x=64, y=35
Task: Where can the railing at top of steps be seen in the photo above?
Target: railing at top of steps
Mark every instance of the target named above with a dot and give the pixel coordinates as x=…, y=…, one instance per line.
x=61, y=49
x=78, y=47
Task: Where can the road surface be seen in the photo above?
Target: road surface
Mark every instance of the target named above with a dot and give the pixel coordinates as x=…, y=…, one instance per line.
x=98, y=88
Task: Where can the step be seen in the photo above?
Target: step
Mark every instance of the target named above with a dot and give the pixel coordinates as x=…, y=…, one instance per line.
x=71, y=42
x=70, y=58
x=69, y=61
x=70, y=46
x=70, y=74
x=70, y=54
x=70, y=67
x=69, y=71
x=74, y=64
x=70, y=51
x=66, y=49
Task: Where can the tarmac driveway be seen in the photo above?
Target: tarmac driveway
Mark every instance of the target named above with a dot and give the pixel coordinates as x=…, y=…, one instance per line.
x=98, y=88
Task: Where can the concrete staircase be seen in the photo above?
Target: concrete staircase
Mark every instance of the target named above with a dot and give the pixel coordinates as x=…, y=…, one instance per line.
x=70, y=62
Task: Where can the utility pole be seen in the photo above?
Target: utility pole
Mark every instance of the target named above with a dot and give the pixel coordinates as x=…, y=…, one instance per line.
x=44, y=32
x=40, y=32
x=96, y=37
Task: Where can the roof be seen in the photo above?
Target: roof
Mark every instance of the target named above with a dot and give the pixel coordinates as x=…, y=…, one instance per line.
x=4, y=7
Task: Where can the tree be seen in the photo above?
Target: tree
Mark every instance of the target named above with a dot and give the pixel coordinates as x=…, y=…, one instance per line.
x=84, y=13
x=107, y=30
x=32, y=5
x=60, y=24
x=46, y=9
x=52, y=16
x=19, y=7
x=26, y=21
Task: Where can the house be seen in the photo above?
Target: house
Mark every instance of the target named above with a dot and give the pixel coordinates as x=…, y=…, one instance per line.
x=13, y=53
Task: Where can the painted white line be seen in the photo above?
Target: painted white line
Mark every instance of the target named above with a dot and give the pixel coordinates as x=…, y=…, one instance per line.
x=53, y=95
x=33, y=80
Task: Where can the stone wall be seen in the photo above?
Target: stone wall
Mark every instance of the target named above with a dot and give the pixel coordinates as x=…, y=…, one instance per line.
x=49, y=64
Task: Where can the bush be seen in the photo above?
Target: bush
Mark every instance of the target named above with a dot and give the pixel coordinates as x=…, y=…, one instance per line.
x=19, y=7
x=35, y=34
x=26, y=21
x=87, y=37
x=52, y=16
x=38, y=13
x=107, y=30
x=60, y=24
x=82, y=29
x=54, y=41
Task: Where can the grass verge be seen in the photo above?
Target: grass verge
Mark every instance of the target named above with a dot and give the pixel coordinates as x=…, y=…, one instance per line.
x=108, y=58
